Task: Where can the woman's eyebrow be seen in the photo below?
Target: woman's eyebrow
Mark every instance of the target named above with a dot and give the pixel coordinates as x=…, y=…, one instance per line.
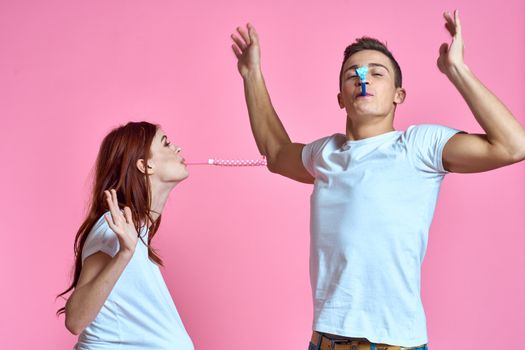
x=162, y=138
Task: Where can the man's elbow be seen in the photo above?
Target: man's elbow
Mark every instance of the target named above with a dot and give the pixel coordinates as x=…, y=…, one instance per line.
x=507, y=155
x=518, y=158
x=272, y=162
x=518, y=155
x=272, y=167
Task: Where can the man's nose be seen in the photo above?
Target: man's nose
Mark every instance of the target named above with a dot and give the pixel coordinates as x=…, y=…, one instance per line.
x=358, y=82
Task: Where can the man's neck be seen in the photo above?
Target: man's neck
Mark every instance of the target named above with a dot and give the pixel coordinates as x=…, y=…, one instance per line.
x=356, y=130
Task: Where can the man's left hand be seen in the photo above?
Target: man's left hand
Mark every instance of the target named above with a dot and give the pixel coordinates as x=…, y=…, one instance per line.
x=451, y=56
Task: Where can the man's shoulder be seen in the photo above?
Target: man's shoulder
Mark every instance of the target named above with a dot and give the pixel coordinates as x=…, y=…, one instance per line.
x=428, y=131
x=425, y=127
x=335, y=139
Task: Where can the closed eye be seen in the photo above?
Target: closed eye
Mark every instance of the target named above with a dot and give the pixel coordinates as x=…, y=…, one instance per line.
x=378, y=71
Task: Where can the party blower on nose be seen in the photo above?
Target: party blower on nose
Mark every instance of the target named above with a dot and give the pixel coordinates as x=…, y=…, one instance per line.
x=361, y=73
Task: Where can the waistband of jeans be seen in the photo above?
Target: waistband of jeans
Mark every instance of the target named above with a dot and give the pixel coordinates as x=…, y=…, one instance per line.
x=325, y=342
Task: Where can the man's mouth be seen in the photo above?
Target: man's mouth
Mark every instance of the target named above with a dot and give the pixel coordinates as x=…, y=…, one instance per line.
x=367, y=95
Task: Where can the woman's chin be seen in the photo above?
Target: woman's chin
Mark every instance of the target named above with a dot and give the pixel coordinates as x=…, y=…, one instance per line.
x=183, y=177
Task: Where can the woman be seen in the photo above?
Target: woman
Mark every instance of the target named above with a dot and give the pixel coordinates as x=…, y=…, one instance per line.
x=119, y=299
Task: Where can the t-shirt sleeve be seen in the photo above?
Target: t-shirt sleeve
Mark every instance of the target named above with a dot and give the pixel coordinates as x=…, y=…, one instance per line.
x=310, y=153
x=426, y=142
x=101, y=238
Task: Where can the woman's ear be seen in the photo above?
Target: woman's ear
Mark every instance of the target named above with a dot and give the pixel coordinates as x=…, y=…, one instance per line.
x=400, y=95
x=142, y=165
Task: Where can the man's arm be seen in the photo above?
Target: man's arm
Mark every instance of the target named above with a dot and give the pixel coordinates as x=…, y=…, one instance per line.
x=504, y=141
x=283, y=156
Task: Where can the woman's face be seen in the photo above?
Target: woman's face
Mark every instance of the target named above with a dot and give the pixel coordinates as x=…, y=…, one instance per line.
x=166, y=162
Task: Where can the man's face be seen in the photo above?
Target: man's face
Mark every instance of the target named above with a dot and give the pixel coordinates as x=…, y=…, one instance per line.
x=381, y=93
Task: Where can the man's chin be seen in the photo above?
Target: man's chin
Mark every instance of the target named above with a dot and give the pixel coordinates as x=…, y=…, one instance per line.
x=365, y=113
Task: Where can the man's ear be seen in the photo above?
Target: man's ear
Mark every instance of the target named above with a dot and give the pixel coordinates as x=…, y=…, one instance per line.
x=340, y=101
x=141, y=165
x=400, y=95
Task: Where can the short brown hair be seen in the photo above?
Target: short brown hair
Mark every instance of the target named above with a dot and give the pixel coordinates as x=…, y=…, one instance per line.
x=367, y=43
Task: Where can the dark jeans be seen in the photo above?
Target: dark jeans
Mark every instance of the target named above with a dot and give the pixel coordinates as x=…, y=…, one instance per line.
x=373, y=346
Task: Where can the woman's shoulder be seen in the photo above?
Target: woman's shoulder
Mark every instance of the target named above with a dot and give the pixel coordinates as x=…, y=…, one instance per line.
x=101, y=238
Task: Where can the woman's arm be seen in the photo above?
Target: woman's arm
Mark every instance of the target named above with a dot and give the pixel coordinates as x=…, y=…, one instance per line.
x=100, y=272
x=99, y=275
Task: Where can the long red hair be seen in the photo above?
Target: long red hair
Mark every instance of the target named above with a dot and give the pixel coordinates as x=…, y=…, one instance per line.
x=116, y=168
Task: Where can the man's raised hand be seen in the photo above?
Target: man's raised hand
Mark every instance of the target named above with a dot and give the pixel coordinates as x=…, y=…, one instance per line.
x=451, y=56
x=246, y=48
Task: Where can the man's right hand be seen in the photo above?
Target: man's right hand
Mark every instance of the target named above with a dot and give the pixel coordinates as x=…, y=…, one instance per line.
x=246, y=48
x=283, y=156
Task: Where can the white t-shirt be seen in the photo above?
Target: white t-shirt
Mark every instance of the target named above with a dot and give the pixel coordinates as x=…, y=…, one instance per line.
x=371, y=210
x=139, y=313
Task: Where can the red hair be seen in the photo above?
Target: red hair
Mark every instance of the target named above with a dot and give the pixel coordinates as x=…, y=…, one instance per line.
x=116, y=168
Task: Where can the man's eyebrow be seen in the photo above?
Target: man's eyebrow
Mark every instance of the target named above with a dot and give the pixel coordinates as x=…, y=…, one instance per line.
x=355, y=66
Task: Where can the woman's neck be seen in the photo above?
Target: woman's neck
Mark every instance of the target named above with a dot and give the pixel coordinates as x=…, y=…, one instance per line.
x=159, y=197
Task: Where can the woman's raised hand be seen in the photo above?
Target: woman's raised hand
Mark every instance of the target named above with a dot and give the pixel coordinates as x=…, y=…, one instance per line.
x=121, y=224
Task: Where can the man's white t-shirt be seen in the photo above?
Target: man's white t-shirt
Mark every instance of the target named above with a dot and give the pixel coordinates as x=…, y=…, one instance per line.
x=139, y=313
x=371, y=210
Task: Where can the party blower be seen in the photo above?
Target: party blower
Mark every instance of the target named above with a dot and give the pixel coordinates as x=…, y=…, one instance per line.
x=362, y=72
x=231, y=162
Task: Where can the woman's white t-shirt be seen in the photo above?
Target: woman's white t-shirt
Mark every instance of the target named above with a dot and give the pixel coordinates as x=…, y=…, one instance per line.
x=139, y=313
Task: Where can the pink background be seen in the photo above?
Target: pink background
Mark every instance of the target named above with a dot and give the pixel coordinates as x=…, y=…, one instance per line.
x=235, y=241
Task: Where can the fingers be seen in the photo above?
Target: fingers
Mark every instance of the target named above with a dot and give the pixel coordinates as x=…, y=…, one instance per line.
x=121, y=223
x=111, y=198
x=450, y=29
x=114, y=197
x=115, y=204
x=453, y=25
x=240, y=43
x=458, y=22
x=244, y=38
x=253, y=34
x=244, y=35
x=236, y=51
x=449, y=23
x=128, y=215
x=443, y=49
x=111, y=225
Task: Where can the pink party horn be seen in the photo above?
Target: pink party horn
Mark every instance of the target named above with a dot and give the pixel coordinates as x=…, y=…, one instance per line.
x=231, y=162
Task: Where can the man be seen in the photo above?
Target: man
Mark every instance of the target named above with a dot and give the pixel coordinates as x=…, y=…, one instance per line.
x=375, y=188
